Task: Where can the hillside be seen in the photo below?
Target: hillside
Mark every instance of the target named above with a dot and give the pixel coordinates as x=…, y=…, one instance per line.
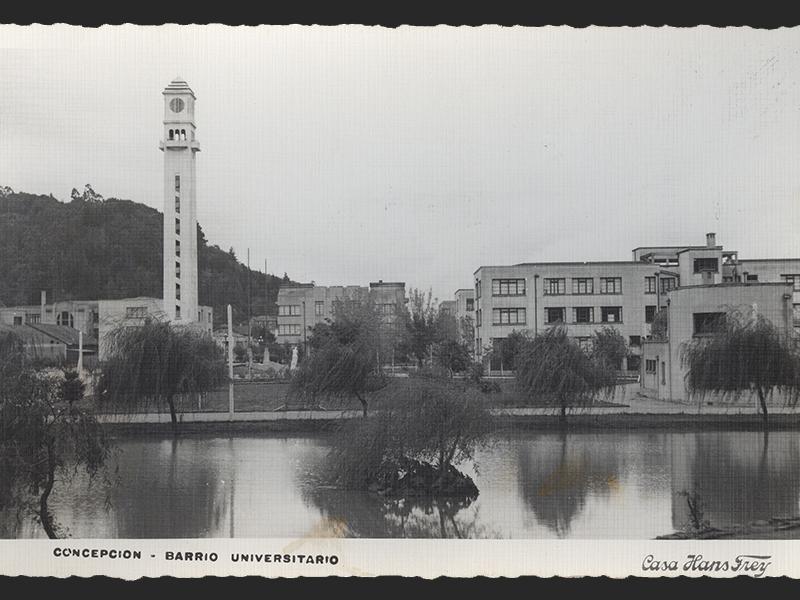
x=97, y=248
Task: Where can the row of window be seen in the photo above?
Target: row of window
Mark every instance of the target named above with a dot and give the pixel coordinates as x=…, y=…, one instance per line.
x=293, y=310
x=290, y=329
x=178, y=135
x=558, y=314
x=557, y=286
x=582, y=314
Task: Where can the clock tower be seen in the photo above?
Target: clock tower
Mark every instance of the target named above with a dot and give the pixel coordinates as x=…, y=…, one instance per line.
x=180, y=145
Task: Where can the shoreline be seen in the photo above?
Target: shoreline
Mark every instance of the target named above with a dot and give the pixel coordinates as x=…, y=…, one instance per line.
x=315, y=422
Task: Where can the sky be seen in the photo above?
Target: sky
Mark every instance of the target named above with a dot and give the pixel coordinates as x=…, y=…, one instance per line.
x=344, y=155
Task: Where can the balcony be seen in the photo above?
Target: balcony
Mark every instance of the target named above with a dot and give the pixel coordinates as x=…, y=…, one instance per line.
x=194, y=145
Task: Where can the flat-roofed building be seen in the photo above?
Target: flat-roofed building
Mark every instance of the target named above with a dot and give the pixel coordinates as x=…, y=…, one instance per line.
x=692, y=312
x=303, y=305
x=625, y=295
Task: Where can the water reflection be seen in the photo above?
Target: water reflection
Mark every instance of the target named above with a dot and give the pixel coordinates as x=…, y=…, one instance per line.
x=363, y=514
x=174, y=489
x=557, y=475
x=590, y=486
x=739, y=478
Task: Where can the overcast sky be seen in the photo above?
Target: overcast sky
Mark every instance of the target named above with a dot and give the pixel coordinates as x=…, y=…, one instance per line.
x=351, y=154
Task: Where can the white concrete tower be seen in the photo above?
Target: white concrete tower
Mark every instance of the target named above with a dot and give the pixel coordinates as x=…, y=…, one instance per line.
x=180, y=211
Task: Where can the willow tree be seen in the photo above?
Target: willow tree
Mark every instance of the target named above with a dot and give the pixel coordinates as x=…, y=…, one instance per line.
x=343, y=361
x=46, y=435
x=553, y=370
x=157, y=362
x=744, y=353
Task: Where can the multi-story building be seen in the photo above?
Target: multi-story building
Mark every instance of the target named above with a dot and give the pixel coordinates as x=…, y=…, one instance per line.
x=303, y=305
x=625, y=295
x=693, y=310
x=465, y=303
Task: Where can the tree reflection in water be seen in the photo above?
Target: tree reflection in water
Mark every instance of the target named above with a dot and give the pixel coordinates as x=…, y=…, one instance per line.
x=556, y=474
x=366, y=514
x=740, y=478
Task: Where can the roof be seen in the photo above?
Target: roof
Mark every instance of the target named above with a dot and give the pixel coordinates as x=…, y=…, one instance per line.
x=699, y=248
x=29, y=335
x=178, y=86
x=569, y=264
x=729, y=284
x=63, y=333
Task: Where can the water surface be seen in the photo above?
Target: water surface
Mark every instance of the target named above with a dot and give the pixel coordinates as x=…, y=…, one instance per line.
x=532, y=485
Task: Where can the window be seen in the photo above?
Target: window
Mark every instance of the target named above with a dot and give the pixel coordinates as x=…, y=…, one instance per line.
x=796, y=314
x=177, y=312
x=667, y=284
x=135, y=312
x=508, y=287
x=478, y=347
x=177, y=247
x=611, y=285
x=649, y=285
x=289, y=310
x=478, y=315
x=178, y=204
x=752, y=277
x=177, y=183
x=508, y=316
x=585, y=343
x=706, y=265
x=583, y=285
x=794, y=280
x=319, y=308
x=611, y=314
x=177, y=269
x=477, y=288
x=705, y=323
x=177, y=291
x=17, y=319
x=177, y=226
x=387, y=309
x=291, y=329
x=470, y=304
x=583, y=314
x=554, y=315
x=555, y=287
x=650, y=313
x=650, y=365
x=65, y=318
x=635, y=340
x=33, y=318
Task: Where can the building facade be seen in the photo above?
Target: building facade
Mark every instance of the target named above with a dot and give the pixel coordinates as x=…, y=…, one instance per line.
x=180, y=146
x=625, y=295
x=692, y=310
x=303, y=305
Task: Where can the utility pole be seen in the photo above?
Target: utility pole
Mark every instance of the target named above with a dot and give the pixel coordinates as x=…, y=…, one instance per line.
x=249, y=321
x=230, y=363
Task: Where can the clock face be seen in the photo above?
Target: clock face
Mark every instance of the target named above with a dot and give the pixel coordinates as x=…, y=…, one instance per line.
x=176, y=105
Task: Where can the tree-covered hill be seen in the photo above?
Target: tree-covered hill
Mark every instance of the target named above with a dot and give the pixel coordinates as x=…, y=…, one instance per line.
x=96, y=248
